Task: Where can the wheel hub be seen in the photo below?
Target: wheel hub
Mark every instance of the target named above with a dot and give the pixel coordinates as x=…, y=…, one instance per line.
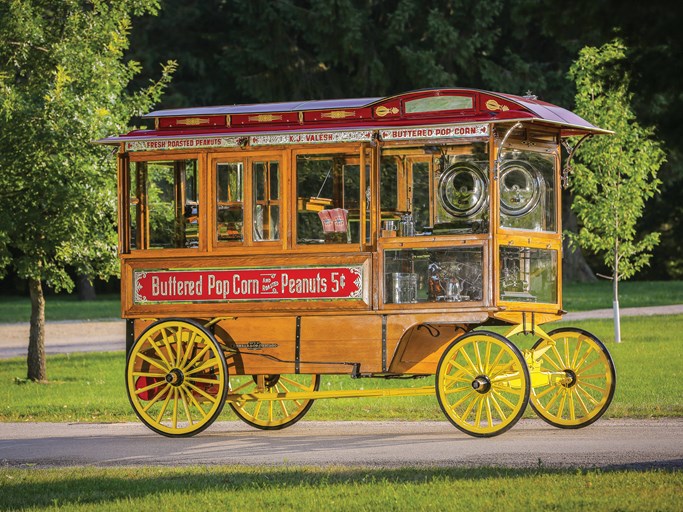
x=570, y=379
x=175, y=377
x=481, y=384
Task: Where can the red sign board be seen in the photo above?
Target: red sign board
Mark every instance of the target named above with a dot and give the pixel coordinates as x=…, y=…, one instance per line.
x=254, y=284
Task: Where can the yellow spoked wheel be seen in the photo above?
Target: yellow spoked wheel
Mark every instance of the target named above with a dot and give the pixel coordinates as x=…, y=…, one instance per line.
x=176, y=378
x=576, y=380
x=272, y=414
x=482, y=384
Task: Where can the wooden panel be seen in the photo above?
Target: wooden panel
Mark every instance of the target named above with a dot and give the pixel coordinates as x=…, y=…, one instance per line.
x=351, y=339
x=421, y=347
x=264, y=345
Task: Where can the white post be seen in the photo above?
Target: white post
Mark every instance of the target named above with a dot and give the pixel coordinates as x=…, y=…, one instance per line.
x=617, y=322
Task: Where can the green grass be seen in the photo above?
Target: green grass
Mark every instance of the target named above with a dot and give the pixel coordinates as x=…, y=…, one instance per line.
x=90, y=387
x=302, y=489
x=61, y=307
x=577, y=297
x=588, y=296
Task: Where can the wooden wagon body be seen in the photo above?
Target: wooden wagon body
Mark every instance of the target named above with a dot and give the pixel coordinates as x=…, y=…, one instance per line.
x=264, y=245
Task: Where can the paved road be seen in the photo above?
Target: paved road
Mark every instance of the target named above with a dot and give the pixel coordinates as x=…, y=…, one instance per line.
x=109, y=335
x=635, y=444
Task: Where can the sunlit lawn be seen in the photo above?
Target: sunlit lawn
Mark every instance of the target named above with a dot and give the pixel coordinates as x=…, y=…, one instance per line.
x=302, y=489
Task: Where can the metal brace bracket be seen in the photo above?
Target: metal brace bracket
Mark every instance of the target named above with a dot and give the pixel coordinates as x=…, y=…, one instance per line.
x=499, y=153
x=567, y=168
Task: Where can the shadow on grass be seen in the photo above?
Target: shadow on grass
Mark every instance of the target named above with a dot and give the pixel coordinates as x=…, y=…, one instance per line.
x=99, y=486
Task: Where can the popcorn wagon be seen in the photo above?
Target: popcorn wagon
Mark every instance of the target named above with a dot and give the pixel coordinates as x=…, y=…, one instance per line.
x=265, y=246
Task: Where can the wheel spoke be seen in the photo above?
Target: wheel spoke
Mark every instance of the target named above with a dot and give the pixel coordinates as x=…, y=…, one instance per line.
x=577, y=351
x=557, y=355
x=153, y=362
x=210, y=363
x=201, y=392
x=551, y=387
x=151, y=386
x=468, y=409
x=181, y=392
x=552, y=363
x=583, y=404
x=590, y=367
x=198, y=356
x=489, y=415
x=487, y=358
x=477, y=354
x=179, y=346
x=165, y=405
x=480, y=408
x=161, y=355
x=590, y=397
x=450, y=391
x=496, y=405
x=503, y=399
x=157, y=397
x=467, y=358
x=188, y=350
x=175, y=408
x=149, y=374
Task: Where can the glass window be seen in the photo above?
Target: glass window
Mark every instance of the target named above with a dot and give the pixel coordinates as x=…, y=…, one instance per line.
x=166, y=199
x=443, y=190
x=528, y=275
x=328, y=193
x=134, y=208
x=266, y=205
x=433, y=275
x=527, y=191
x=229, y=202
x=438, y=103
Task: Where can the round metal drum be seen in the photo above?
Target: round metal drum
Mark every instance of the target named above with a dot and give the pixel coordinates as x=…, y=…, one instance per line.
x=520, y=188
x=462, y=189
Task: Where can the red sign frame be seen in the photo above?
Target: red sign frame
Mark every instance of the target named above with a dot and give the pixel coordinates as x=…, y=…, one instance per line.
x=248, y=284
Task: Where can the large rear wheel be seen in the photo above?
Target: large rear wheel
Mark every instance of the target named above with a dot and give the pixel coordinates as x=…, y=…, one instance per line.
x=176, y=378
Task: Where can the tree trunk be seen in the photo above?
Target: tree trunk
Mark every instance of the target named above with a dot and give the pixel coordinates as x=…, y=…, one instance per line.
x=574, y=266
x=36, y=337
x=86, y=291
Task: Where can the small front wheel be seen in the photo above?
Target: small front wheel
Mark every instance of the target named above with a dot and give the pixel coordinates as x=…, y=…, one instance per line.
x=482, y=384
x=176, y=378
x=578, y=379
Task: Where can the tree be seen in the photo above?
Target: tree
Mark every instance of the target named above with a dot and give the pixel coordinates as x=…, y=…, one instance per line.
x=616, y=174
x=62, y=85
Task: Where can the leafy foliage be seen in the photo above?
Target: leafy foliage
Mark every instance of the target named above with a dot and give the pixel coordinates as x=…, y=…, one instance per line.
x=617, y=174
x=63, y=84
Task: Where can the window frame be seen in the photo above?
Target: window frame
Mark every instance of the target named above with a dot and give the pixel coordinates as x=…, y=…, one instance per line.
x=364, y=162
x=128, y=164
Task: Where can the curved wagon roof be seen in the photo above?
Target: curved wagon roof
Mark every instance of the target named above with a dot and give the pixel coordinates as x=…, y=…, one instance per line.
x=427, y=107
